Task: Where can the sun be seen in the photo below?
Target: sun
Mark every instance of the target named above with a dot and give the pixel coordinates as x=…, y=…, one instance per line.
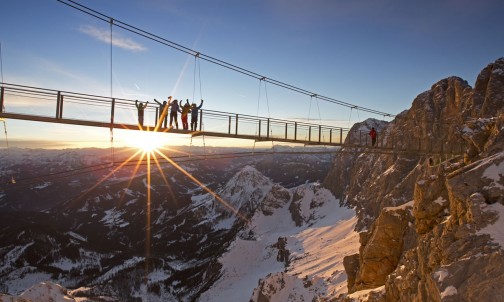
x=145, y=141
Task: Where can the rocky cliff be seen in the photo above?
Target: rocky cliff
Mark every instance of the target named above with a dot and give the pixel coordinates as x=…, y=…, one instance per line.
x=429, y=220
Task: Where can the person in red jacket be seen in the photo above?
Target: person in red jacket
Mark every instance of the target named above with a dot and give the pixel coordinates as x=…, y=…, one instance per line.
x=373, y=135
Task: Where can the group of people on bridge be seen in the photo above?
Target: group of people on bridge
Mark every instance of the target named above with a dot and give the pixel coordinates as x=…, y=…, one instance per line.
x=174, y=107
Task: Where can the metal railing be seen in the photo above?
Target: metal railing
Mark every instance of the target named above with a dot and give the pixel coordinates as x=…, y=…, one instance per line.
x=56, y=106
x=404, y=143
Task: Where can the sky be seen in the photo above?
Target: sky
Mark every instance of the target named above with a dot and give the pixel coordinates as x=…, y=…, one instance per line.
x=378, y=54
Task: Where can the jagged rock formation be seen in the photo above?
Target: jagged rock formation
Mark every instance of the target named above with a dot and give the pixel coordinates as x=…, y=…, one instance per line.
x=444, y=246
x=382, y=247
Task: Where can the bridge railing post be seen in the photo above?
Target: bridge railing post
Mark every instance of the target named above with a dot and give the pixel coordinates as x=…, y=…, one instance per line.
x=2, y=93
x=286, y=125
x=268, y=128
x=341, y=135
x=112, y=113
x=61, y=107
x=229, y=124
x=259, y=120
x=330, y=136
x=58, y=101
x=295, y=130
x=309, y=133
x=236, y=125
x=319, y=133
x=200, y=120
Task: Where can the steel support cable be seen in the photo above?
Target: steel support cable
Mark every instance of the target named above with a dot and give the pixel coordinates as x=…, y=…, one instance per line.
x=111, y=92
x=320, y=117
x=7, y=146
x=257, y=112
x=309, y=113
x=216, y=61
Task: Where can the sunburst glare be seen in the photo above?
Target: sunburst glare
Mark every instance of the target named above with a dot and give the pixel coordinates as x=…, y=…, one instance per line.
x=146, y=141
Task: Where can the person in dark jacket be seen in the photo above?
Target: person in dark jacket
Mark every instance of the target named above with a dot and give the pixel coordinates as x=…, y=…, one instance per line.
x=174, y=112
x=194, y=115
x=163, y=112
x=140, y=108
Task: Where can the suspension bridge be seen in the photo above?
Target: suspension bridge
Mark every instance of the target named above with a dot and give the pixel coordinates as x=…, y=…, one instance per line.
x=53, y=106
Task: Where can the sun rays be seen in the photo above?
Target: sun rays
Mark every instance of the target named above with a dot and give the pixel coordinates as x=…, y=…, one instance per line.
x=147, y=150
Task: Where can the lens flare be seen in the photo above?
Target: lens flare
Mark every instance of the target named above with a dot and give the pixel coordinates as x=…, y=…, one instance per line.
x=146, y=141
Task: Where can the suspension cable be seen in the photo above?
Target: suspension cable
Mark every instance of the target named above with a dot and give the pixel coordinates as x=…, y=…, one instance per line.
x=309, y=113
x=257, y=113
x=1, y=63
x=320, y=117
x=269, y=114
x=210, y=59
x=111, y=90
x=194, y=80
x=12, y=180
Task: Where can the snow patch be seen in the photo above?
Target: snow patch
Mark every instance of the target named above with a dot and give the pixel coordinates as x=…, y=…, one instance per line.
x=127, y=264
x=363, y=295
x=494, y=172
x=77, y=236
x=440, y=275
x=449, y=291
x=13, y=255
x=496, y=230
x=400, y=207
x=42, y=185
x=440, y=200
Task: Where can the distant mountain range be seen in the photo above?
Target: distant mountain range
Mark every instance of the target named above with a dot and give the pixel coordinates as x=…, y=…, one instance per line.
x=72, y=220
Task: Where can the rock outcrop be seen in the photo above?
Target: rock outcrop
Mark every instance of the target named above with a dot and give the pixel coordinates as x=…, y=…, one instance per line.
x=445, y=245
x=381, y=248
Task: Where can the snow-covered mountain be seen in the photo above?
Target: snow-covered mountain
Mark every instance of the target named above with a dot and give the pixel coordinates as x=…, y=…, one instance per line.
x=275, y=259
x=94, y=237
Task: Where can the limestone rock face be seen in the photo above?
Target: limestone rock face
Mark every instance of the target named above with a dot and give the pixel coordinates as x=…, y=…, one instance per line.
x=430, y=201
x=489, y=91
x=352, y=267
x=381, y=251
x=371, y=181
x=460, y=259
x=447, y=244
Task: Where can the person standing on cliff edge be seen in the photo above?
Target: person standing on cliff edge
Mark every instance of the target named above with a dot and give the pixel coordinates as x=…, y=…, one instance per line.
x=373, y=135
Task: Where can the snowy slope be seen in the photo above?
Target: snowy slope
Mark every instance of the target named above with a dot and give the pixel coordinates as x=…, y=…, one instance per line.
x=41, y=292
x=316, y=259
x=238, y=199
